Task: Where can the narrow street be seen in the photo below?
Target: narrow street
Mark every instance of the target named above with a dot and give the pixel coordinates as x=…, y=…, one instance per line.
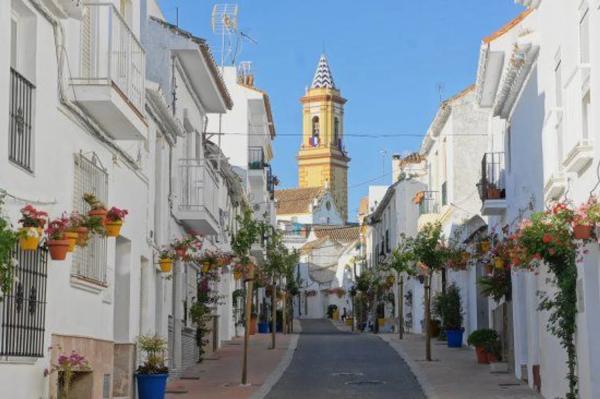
x=329, y=363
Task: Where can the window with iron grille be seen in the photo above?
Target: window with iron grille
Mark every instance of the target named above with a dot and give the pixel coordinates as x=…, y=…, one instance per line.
x=89, y=262
x=22, y=93
x=24, y=307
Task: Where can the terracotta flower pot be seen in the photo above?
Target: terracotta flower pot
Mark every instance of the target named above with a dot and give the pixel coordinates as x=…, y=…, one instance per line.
x=113, y=228
x=72, y=237
x=83, y=235
x=58, y=249
x=491, y=357
x=482, y=355
x=516, y=261
x=29, y=239
x=582, y=231
x=180, y=252
x=99, y=213
x=166, y=265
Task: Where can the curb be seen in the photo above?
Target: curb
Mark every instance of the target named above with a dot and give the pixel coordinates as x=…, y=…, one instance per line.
x=414, y=368
x=281, y=367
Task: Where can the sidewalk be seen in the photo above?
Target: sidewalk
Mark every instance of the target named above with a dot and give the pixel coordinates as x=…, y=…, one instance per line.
x=220, y=378
x=454, y=373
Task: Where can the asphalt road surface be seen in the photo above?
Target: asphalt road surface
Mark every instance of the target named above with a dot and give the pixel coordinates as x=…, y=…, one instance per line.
x=329, y=363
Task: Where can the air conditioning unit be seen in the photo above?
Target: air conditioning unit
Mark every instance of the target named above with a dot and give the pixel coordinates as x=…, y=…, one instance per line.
x=65, y=8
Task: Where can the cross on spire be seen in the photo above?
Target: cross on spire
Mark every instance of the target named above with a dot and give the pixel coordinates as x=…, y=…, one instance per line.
x=323, y=77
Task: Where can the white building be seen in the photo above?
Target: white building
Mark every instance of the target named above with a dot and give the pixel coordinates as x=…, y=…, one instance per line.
x=128, y=124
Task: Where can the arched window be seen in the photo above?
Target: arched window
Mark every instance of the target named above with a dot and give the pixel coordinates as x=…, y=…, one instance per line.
x=336, y=132
x=314, y=140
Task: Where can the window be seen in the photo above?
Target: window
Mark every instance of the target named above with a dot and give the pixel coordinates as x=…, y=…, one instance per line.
x=336, y=132
x=558, y=84
x=585, y=111
x=14, y=37
x=89, y=262
x=23, y=308
x=584, y=36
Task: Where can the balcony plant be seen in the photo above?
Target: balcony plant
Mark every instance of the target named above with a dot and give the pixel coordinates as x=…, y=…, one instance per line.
x=57, y=243
x=166, y=257
x=68, y=367
x=548, y=240
x=97, y=208
x=114, y=221
x=152, y=374
x=32, y=227
x=485, y=341
x=184, y=245
x=8, y=239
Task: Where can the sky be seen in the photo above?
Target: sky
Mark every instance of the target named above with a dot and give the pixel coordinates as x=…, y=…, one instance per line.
x=392, y=59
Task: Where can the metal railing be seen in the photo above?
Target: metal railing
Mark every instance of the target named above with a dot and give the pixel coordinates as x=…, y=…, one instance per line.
x=199, y=188
x=24, y=307
x=21, y=109
x=110, y=53
x=491, y=185
x=429, y=203
x=256, y=158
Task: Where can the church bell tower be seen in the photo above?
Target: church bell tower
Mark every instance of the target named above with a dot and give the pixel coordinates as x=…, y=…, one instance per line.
x=322, y=159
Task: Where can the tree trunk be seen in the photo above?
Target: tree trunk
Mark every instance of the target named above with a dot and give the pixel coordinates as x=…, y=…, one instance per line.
x=247, y=332
x=273, y=315
x=400, y=291
x=284, y=313
x=428, y=317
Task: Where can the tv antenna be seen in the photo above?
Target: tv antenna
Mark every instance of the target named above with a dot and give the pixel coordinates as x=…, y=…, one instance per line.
x=440, y=89
x=224, y=22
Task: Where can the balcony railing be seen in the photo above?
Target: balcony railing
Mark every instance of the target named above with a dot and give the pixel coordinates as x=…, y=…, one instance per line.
x=492, y=186
x=256, y=158
x=429, y=203
x=110, y=53
x=21, y=109
x=199, y=188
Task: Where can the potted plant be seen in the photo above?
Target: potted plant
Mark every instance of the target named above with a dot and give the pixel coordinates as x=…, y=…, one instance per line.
x=75, y=224
x=32, y=226
x=67, y=368
x=165, y=260
x=183, y=245
x=484, y=340
x=97, y=208
x=152, y=375
x=263, y=323
x=452, y=316
x=57, y=243
x=114, y=221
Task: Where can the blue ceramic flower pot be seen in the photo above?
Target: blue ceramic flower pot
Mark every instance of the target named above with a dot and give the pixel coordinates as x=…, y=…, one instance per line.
x=455, y=338
x=263, y=328
x=151, y=386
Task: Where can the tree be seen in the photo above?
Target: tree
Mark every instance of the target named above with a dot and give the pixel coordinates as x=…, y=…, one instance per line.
x=430, y=254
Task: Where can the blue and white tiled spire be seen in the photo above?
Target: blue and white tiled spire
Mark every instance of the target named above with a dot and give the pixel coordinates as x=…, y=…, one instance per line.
x=323, y=77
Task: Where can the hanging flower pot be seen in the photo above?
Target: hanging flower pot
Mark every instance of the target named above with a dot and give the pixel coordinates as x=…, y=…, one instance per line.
x=99, y=213
x=516, y=261
x=205, y=267
x=72, y=237
x=29, y=238
x=166, y=265
x=83, y=235
x=499, y=263
x=237, y=274
x=484, y=246
x=180, y=252
x=58, y=249
x=582, y=231
x=113, y=228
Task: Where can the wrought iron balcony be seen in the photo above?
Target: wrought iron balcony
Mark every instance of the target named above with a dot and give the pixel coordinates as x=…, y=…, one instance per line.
x=256, y=158
x=111, y=77
x=198, y=206
x=429, y=202
x=491, y=187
